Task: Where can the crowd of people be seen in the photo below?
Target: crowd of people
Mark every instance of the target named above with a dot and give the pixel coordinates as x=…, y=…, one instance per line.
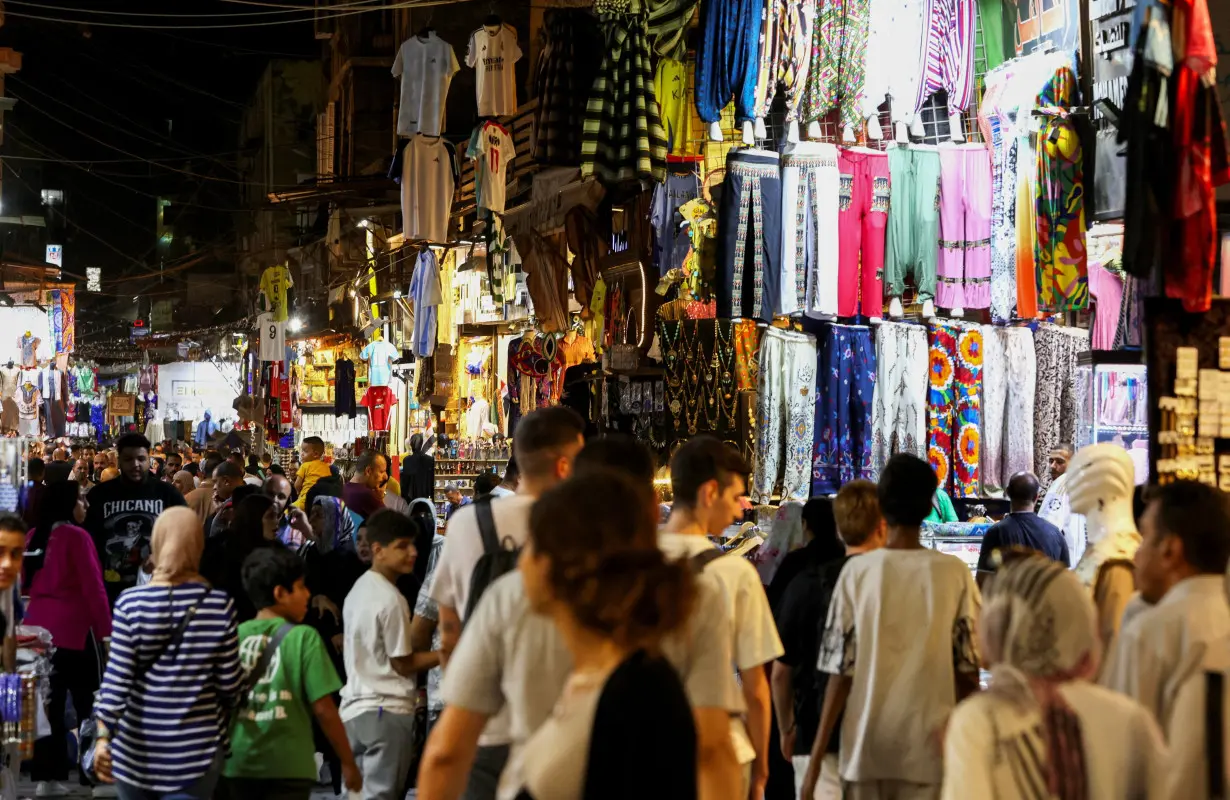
x=558, y=640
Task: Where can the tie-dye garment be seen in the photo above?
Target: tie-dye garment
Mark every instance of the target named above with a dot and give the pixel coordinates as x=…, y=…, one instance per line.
x=1062, y=268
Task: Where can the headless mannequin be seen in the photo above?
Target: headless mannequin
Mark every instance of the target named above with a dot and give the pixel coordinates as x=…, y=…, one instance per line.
x=1100, y=484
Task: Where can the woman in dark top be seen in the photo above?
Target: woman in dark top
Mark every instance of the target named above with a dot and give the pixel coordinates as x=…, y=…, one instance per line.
x=622, y=727
x=253, y=525
x=418, y=469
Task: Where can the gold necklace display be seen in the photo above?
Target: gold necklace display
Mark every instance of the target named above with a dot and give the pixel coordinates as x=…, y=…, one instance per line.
x=700, y=384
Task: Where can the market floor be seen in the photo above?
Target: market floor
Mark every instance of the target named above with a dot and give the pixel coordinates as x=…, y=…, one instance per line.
x=25, y=791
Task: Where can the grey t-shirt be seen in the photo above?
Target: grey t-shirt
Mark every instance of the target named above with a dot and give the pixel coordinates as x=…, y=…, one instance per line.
x=511, y=658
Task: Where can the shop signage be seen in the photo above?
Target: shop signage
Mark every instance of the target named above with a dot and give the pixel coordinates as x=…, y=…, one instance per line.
x=1111, y=40
x=138, y=330
x=1046, y=27
x=55, y=254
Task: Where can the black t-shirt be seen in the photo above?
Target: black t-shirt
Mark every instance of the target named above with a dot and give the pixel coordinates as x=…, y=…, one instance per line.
x=121, y=520
x=1023, y=529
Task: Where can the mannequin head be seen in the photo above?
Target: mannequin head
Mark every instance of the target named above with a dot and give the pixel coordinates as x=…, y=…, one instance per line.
x=1101, y=479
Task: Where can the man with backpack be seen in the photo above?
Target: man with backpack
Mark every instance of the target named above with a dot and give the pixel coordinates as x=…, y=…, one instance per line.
x=482, y=544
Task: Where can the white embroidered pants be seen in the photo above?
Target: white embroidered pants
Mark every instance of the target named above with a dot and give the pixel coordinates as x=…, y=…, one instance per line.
x=1009, y=378
x=786, y=413
x=899, y=413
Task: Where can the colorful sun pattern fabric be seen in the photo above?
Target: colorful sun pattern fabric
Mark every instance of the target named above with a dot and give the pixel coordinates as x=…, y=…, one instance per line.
x=954, y=413
x=1059, y=249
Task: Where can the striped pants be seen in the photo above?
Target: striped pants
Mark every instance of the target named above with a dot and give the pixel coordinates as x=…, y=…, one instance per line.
x=948, y=55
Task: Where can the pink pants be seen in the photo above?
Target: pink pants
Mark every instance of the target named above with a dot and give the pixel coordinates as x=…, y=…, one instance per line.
x=963, y=271
x=862, y=219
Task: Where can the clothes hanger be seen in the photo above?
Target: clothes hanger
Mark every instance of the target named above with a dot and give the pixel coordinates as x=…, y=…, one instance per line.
x=427, y=29
x=492, y=20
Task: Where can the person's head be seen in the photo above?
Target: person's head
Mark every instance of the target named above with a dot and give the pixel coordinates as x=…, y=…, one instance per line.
x=266, y=460
x=175, y=462
x=907, y=486
x=133, y=460
x=36, y=469
x=227, y=478
x=332, y=525
x=275, y=469
x=58, y=471
x=372, y=469
x=278, y=489
x=546, y=441
x=108, y=474
x=1023, y=489
x=312, y=449
x=512, y=474
x=709, y=481
x=856, y=511
x=593, y=557
x=183, y=482
x=254, y=464
x=235, y=457
x=485, y=482
x=255, y=517
x=1185, y=531
x=390, y=536
x=99, y=463
x=12, y=550
x=274, y=579
x=193, y=469
x=619, y=452
x=176, y=545
x=81, y=471
x=1057, y=459
x=59, y=454
x=452, y=493
x=63, y=502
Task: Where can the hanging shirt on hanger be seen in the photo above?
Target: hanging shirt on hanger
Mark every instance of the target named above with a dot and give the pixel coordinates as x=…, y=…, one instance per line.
x=425, y=296
x=492, y=148
x=273, y=338
x=426, y=66
x=493, y=51
x=379, y=401
x=427, y=183
x=275, y=283
x=379, y=356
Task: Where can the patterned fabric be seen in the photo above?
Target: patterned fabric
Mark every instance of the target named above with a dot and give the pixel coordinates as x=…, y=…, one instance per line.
x=1009, y=380
x=1062, y=268
x=899, y=420
x=949, y=53
x=1055, y=401
x=964, y=267
x=747, y=353
x=846, y=382
x=785, y=54
x=622, y=138
x=566, y=70
x=668, y=21
x=1131, y=315
x=954, y=441
x=727, y=58
x=750, y=228
x=838, y=61
x=810, y=184
x=786, y=410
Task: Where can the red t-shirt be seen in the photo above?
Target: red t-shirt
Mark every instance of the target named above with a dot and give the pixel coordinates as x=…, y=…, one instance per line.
x=379, y=401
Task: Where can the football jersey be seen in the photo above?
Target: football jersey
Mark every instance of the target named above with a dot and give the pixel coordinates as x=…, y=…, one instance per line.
x=492, y=149
x=379, y=401
x=275, y=283
x=272, y=336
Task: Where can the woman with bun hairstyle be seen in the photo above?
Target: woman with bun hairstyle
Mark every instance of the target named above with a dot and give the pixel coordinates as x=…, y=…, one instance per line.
x=622, y=726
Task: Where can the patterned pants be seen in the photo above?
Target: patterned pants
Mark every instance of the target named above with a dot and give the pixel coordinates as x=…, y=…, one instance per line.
x=964, y=267
x=948, y=57
x=899, y=420
x=845, y=382
x=750, y=236
x=838, y=61
x=1009, y=377
x=786, y=410
x=1003, y=228
x=810, y=184
x=954, y=412
x=1055, y=403
x=785, y=54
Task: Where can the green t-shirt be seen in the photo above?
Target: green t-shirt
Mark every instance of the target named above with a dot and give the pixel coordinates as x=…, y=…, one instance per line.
x=273, y=735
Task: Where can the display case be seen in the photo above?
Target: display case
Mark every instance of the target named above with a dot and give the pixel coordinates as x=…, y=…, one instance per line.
x=1113, y=406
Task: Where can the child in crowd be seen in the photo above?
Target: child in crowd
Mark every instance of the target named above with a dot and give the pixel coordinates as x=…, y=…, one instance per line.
x=312, y=469
x=272, y=750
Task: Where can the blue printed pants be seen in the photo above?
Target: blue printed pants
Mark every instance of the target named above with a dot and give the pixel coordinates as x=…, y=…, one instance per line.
x=845, y=385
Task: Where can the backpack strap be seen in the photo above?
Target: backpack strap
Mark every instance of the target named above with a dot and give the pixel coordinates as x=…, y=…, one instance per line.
x=262, y=663
x=702, y=560
x=1214, y=691
x=486, y=524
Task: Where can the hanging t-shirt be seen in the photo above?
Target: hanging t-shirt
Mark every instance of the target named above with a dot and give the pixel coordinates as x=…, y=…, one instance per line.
x=343, y=388
x=1107, y=290
x=379, y=356
x=379, y=401
x=275, y=283
x=426, y=66
x=493, y=51
x=273, y=337
x=425, y=297
x=492, y=149
x=427, y=182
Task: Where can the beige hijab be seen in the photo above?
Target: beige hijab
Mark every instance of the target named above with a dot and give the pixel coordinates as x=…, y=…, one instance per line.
x=177, y=544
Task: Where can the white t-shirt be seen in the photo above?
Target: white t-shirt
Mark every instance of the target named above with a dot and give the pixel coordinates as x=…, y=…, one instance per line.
x=426, y=67
x=901, y=624
x=492, y=151
x=493, y=51
x=427, y=183
x=463, y=547
x=376, y=624
x=273, y=337
x=991, y=744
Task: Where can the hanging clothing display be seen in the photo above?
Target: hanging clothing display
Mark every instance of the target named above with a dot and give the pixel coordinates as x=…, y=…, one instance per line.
x=785, y=56
x=786, y=408
x=838, y=61
x=343, y=388
x=273, y=338
x=670, y=237
x=379, y=402
x=1063, y=277
x=1055, y=403
x=428, y=178
x=749, y=230
x=746, y=335
x=1009, y=384
x=727, y=58
x=426, y=66
x=811, y=182
x=912, y=242
x=899, y=416
x=492, y=52
x=8, y=380
x=948, y=55
x=670, y=86
x=953, y=407
x=862, y=222
x=425, y=298
x=276, y=283
x=567, y=67
x=491, y=147
x=845, y=383
x=963, y=271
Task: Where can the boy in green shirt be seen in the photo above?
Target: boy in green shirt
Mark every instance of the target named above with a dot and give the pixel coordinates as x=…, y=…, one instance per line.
x=272, y=750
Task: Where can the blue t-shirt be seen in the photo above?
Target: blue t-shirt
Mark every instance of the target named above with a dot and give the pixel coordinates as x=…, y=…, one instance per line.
x=1023, y=529
x=425, y=297
x=379, y=356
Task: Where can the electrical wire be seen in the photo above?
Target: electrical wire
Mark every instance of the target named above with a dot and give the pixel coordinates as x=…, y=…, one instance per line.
x=366, y=4
x=265, y=24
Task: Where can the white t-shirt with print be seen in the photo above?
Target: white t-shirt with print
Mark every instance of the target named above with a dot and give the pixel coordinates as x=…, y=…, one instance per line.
x=901, y=624
x=493, y=51
x=426, y=66
x=376, y=626
x=492, y=151
x=273, y=337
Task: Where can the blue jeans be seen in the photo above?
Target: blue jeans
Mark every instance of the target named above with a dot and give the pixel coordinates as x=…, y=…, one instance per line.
x=201, y=789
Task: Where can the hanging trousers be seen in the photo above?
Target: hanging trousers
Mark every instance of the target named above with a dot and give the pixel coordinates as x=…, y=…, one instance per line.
x=1055, y=402
x=810, y=255
x=953, y=407
x=846, y=386
x=948, y=57
x=838, y=61
x=786, y=408
x=785, y=54
x=727, y=59
x=964, y=268
x=1003, y=224
x=899, y=418
x=1062, y=267
x=862, y=218
x=1009, y=380
x=750, y=236
x=912, y=242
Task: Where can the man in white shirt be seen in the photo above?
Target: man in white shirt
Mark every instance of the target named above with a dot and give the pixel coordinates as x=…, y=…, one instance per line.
x=1184, y=549
x=546, y=442
x=709, y=482
x=1055, y=508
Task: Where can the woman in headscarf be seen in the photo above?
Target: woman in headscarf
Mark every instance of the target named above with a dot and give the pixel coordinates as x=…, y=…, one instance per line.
x=253, y=525
x=1044, y=730
x=162, y=707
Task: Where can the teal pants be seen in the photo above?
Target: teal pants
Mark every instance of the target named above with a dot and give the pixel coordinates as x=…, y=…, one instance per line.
x=912, y=242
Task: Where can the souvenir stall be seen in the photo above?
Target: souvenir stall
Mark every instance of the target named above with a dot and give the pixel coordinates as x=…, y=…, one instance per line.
x=40, y=328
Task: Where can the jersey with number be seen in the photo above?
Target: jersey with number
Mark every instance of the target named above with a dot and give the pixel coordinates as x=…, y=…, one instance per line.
x=273, y=338
x=275, y=283
x=492, y=149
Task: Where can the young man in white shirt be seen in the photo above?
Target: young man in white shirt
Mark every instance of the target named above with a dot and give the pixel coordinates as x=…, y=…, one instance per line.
x=378, y=698
x=709, y=482
x=546, y=442
x=899, y=647
x=1180, y=568
x=515, y=662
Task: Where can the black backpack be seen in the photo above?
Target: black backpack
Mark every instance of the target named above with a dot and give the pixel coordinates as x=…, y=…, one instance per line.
x=498, y=559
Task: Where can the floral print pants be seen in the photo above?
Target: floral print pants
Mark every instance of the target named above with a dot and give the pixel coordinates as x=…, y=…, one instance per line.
x=954, y=407
x=845, y=383
x=786, y=409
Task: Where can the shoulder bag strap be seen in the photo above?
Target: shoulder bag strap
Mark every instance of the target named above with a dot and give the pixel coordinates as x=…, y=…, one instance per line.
x=702, y=560
x=262, y=663
x=177, y=635
x=1214, y=734
x=486, y=525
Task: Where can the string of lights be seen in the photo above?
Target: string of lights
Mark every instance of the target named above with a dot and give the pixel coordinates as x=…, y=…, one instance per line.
x=227, y=25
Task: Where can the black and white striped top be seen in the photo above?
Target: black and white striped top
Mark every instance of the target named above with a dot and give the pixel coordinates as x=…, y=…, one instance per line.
x=168, y=724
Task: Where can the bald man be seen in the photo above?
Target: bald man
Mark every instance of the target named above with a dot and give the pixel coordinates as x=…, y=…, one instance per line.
x=1021, y=529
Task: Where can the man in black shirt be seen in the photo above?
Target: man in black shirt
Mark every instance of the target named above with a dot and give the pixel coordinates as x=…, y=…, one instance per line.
x=798, y=688
x=122, y=513
x=1021, y=528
